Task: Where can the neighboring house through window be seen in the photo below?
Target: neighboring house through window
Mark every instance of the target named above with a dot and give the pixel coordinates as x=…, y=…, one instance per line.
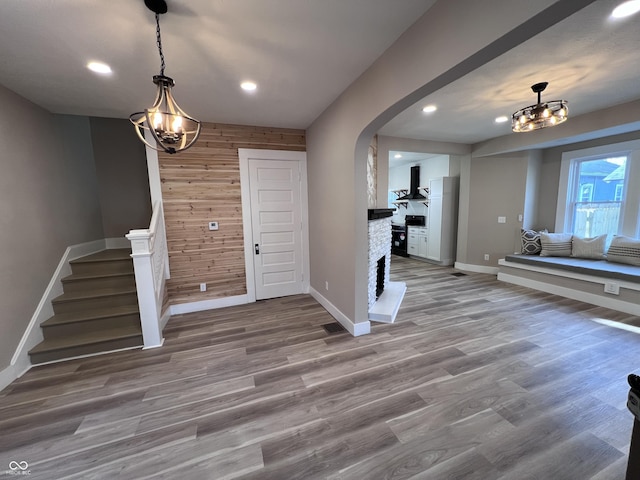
x=592, y=194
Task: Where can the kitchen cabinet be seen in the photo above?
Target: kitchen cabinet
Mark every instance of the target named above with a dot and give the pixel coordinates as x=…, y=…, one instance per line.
x=442, y=220
x=417, y=241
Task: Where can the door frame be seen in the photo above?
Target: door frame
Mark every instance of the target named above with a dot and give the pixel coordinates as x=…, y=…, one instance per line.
x=246, y=154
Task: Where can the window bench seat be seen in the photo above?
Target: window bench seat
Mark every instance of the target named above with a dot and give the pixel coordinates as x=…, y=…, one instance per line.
x=590, y=281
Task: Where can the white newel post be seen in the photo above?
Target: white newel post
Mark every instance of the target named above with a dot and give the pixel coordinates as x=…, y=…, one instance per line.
x=141, y=252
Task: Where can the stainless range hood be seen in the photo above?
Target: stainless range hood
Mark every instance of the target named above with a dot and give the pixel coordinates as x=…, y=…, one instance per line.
x=414, y=193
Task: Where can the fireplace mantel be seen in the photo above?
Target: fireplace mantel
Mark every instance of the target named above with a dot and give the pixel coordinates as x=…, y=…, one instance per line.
x=376, y=213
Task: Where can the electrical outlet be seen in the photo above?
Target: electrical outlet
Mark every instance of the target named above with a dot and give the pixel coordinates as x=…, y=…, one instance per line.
x=612, y=288
x=326, y=285
x=486, y=257
x=519, y=217
x=203, y=287
x=213, y=225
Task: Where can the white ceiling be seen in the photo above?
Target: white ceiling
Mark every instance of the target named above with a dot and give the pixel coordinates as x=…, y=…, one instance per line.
x=302, y=54
x=589, y=59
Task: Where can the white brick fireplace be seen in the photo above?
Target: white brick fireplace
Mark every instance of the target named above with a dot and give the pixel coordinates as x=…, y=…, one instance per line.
x=379, y=246
x=385, y=307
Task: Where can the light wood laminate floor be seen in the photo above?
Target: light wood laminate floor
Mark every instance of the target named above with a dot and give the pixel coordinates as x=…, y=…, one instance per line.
x=477, y=379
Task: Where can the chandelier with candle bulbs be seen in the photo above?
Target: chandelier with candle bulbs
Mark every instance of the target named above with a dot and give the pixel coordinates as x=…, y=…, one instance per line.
x=170, y=128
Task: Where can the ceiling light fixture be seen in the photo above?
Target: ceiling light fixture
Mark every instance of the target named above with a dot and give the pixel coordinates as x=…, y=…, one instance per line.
x=99, y=67
x=429, y=109
x=248, y=86
x=540, y=115
x=626, y=9
x=172, y=129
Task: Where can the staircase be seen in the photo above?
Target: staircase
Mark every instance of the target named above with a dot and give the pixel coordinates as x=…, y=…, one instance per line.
x=98, y=311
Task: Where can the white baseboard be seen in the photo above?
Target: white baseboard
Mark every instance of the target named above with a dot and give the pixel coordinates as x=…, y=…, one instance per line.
x=20, y=361
x=7, y=376
x=212, y=304
x=165, y=318
x=117, y=242
x=467, y=267
x=355, y=329
x=607, y=302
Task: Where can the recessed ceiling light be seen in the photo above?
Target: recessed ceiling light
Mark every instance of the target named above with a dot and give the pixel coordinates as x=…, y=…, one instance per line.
x=248, y=86
x=397, y=155
x=626, y=9
x=502, y=119
x=99, y=67
x=429, y=109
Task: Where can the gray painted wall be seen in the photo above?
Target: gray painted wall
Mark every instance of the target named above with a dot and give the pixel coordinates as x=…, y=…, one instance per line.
x=497, y=188
x=534, y=168
x=48, y=201
x=123, y=181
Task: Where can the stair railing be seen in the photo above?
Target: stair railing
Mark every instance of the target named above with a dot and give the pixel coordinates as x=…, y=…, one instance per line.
x=151, y=266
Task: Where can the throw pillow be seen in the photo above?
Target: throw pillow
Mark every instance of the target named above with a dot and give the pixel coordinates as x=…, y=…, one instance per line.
x=624, y=250
x=555, y=244
x=530, y=240
x=588, y=247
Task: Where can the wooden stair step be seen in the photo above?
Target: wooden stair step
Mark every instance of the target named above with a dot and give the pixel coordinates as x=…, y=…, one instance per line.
x=104, y=262
x=81, y=277
x=88, y=315
x=86, y=344
x=105, y=297
x=82, y=282
x=105, y=256
x=86, y=321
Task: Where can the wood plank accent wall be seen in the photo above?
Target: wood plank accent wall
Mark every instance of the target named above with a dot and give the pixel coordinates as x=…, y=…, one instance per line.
x=200, y=185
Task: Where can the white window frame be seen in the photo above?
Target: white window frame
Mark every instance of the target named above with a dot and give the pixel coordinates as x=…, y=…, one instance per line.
x=630, y=208
x=617, y=196
x=582, y=191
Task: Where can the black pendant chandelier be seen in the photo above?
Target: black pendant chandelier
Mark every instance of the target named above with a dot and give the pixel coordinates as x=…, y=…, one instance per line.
x=172, y=129
x=540, y=115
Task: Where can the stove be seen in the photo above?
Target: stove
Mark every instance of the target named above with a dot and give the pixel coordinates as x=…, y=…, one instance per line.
x=399, y=240
x=399, y=233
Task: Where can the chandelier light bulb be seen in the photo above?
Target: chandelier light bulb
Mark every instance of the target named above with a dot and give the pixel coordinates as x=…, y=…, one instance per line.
x=171, y=128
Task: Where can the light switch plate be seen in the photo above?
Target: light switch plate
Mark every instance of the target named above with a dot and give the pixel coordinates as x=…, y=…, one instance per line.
x=502, y=219
x=213, y=225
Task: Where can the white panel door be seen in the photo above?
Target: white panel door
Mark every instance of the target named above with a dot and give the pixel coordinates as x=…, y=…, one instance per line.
x=276, y=222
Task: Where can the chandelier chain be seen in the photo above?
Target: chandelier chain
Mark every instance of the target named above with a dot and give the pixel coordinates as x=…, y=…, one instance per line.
x=159, y=44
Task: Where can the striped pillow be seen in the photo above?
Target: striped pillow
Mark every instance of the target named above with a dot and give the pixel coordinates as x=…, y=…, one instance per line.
x=624, y=250
x=588, y=247
x=555, y=244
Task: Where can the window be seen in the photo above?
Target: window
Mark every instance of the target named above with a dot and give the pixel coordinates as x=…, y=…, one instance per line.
x=596, y=191
x=617, y=196
x=586, y=192
x=595, y=209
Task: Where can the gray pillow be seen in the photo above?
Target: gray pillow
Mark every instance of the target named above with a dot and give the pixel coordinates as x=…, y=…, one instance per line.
x=555, y=244
x=588, y=247
x=624, y=250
